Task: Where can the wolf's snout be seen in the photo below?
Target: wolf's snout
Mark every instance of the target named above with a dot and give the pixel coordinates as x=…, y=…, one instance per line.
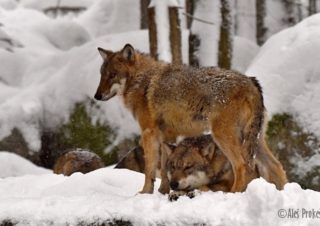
x=174, y=185
x=98, y=96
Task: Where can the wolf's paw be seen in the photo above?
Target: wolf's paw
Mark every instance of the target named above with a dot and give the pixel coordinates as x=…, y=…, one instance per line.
x=191, y=194
x=174, y=196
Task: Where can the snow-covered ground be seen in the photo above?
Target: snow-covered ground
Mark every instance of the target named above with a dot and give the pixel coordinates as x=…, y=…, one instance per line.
x=12, y=165
x=109, y=194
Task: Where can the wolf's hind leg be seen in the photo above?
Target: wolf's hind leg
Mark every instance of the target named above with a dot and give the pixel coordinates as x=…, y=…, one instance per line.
x=224, y=132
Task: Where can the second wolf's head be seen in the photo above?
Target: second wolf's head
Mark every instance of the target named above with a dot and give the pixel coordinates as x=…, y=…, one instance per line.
x=114, y=71
x=188, y=164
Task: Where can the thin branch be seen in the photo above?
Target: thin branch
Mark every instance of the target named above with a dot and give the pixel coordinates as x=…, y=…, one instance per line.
x=198, y=19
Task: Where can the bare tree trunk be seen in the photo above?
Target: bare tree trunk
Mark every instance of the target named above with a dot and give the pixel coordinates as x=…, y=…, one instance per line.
x=299, y=9
x=291, y=9
x=260, y=25
x=152, y=33
x=312, y=7
x=194, y=40
x=190, y=7
x=225, y=42
x=175, y=35
x=144, y=14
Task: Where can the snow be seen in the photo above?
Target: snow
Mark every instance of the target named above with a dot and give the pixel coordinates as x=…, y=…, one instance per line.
x=289, y=73
x=163, y=27
x=106, y=17
x=244, y=51
x=209, y=33
x=108, y=194
x=41, y=5
x=245, y=23
x=12, y=165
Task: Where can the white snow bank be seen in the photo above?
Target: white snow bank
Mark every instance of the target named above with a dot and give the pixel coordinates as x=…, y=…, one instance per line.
x=13, y=165
x=105, y=17
x=107, y=194
x=41, y=5
x=36, y=31
x=288, y=68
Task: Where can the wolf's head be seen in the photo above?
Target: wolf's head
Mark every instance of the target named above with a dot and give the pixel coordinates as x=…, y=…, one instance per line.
x=114, y=71
x=188, y=164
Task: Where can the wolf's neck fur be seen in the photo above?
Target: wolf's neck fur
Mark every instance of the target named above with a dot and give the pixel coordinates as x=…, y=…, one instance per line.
x=137, y=84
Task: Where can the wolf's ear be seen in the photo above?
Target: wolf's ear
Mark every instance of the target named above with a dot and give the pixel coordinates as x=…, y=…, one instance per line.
x=128, y=53
x=208, y=151
x=166, y=149
x=104, y=53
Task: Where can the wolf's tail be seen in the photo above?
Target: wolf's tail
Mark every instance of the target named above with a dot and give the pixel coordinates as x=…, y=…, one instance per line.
x=253, y=130
x=269, y=167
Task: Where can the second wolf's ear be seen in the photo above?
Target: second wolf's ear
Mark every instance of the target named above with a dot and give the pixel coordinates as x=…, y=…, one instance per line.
x=104, y=53
x=128, y=53
x=208, y=151
x=166, y=149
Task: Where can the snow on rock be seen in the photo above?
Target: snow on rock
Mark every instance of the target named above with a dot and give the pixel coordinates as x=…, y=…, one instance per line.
x=289, y=72
x=108, y=194
x=106, y=17
x=13, y=165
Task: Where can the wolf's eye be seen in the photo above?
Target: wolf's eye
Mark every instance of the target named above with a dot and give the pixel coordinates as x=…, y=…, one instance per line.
x=172, y=166
x=188, y=167
x=112, y=75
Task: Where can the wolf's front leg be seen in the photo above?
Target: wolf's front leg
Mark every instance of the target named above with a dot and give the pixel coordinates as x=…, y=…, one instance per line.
x=164, y=186
x=150, y=146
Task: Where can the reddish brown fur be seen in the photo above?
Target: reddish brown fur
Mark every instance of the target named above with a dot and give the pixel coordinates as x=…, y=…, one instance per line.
x=77, y=161
x=171, y=100
x=200, y=154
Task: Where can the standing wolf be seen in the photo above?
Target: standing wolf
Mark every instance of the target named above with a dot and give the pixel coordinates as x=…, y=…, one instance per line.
x=176, y=100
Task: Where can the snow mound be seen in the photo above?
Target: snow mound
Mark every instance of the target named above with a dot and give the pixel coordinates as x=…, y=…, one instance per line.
x=289, y=72
x=108, y=194
x=13, y=165
x=109, y=16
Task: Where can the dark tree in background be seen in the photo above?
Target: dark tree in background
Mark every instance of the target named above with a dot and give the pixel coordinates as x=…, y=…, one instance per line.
x=152, y=27
x=291, y=10
x=312, y=7
x=261, y=29
x=144, y=13
x=225, y=41
x=175, y=35
x=194, y=40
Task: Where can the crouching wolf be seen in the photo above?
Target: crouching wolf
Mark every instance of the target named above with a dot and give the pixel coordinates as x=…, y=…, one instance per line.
x=197, y=163
x=176, y=100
